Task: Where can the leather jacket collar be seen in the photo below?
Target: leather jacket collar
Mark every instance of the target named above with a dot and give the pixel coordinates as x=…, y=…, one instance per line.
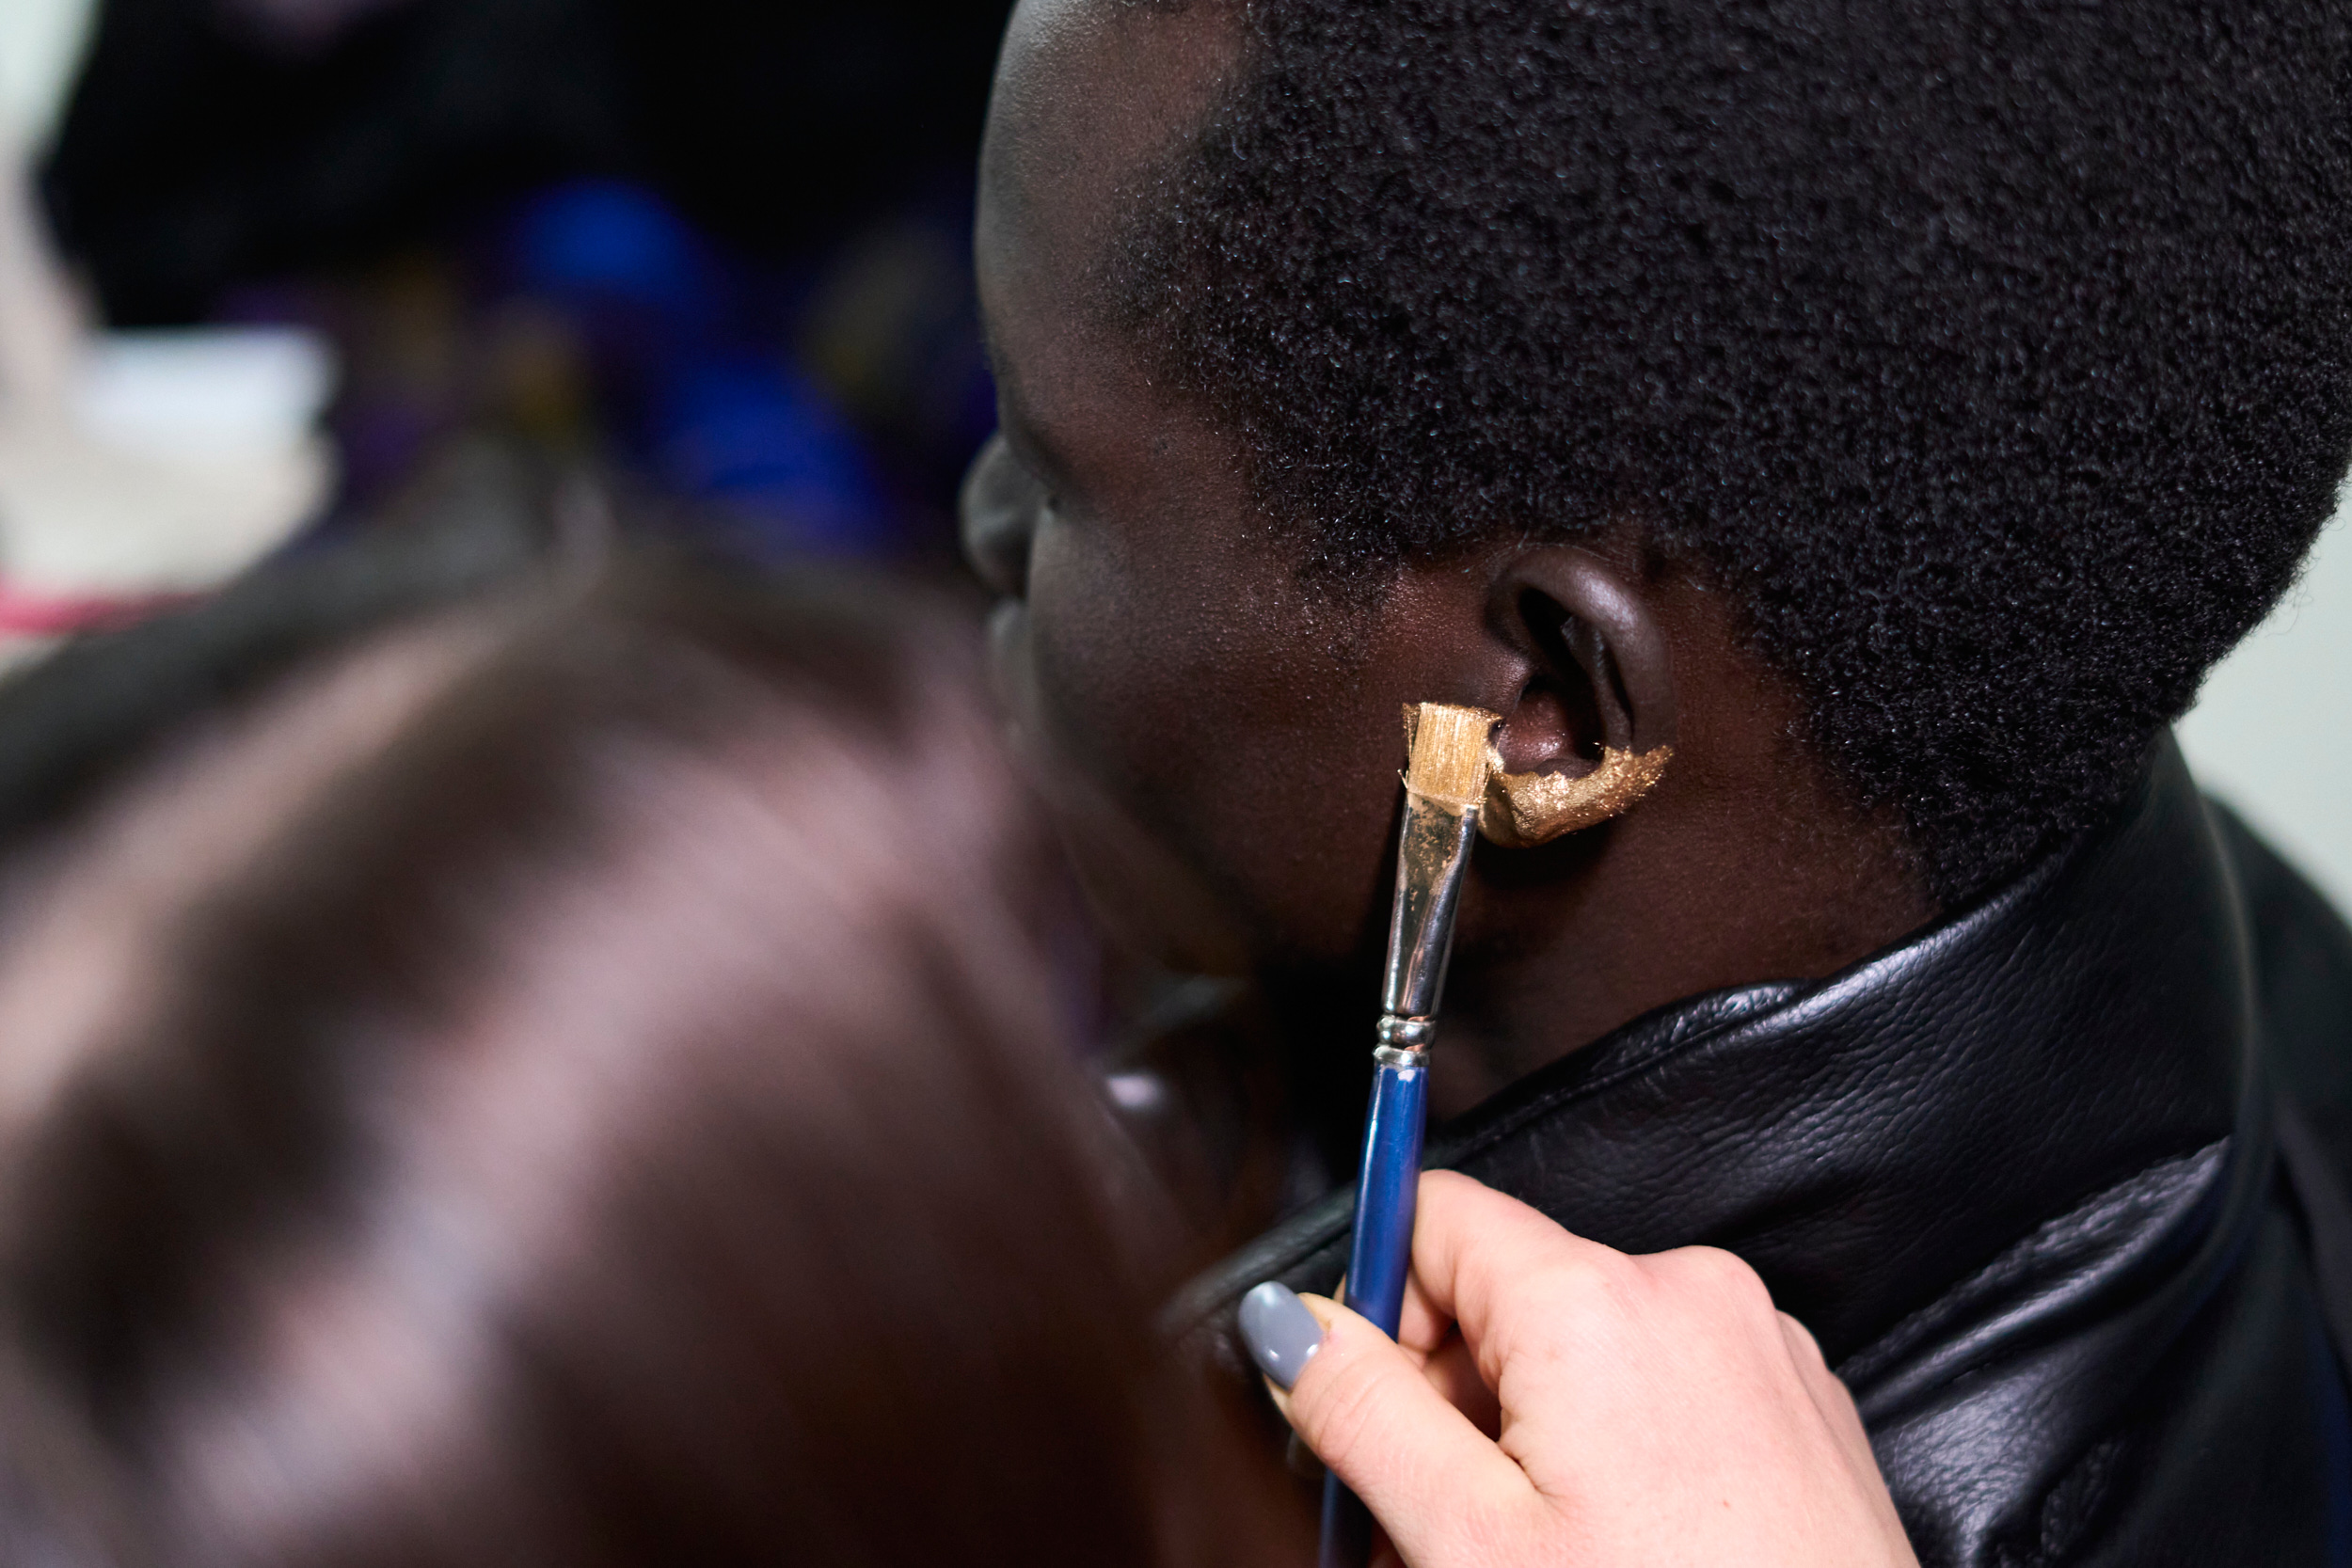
x=2000, y=1170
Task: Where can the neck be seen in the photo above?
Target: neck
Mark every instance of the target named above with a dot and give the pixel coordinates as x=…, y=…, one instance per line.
x=1731, y=886
x=1563, y=945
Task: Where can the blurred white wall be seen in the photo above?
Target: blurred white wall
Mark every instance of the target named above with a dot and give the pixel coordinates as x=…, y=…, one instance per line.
x=40, y=46
x=130, y=464
x=2272, y=729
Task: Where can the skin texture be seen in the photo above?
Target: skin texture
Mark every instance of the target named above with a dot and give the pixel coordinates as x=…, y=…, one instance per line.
x=1550, y=1400
x=1218, y=725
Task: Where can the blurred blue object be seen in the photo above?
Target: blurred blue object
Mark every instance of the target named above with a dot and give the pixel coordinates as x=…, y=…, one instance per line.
x=708, y=400
x=606, y=243
x=768, y=447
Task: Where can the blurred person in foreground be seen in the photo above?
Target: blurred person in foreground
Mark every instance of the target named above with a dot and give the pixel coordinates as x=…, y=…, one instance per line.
x=575, y=1079
x=578, y=1077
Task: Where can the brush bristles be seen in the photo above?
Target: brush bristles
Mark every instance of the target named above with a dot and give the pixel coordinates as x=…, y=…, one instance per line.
x=1449, y=760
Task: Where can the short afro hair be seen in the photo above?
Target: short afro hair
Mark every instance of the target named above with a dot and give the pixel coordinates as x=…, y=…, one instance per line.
x=1993, y=354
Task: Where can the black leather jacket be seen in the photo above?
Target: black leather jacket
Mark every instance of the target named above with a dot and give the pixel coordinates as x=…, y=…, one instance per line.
x=2022, y=1175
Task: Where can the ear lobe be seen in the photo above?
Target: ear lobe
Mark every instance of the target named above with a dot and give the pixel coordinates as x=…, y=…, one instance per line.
x=1598, y=661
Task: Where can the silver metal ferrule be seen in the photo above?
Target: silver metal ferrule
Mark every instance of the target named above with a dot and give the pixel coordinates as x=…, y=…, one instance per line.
x=1433, y=852
x=1399, y=1058
x=1408, y=1033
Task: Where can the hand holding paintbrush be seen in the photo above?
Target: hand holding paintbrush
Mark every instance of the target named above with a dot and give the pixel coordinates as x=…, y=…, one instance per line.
x=1445, y=781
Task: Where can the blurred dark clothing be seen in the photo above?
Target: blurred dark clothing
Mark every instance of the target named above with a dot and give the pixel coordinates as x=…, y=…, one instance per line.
x=2059, y=1184
x=206, y=145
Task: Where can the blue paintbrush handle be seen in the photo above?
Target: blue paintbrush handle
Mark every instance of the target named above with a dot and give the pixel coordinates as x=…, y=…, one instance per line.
x=1386, y=1188
x=1347, y=1528
x=1382, y=1255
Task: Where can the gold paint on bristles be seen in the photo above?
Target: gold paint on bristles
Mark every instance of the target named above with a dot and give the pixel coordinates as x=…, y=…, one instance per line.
x=1449, y=757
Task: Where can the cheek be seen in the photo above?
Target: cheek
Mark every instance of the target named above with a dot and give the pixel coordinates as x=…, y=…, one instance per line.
x=1125, y=658
x=1193, y=690
x=1087, y=629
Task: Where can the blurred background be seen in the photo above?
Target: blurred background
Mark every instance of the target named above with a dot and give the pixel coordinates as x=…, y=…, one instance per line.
x=283, y=255
x=2272, y=729
x=267, y=266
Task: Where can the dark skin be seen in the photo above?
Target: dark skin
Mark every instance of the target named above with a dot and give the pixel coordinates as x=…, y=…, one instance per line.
x=1218, y=722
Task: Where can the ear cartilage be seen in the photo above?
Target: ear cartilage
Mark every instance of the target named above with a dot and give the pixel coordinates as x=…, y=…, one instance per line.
x=1445, y=791
x=1523, y=810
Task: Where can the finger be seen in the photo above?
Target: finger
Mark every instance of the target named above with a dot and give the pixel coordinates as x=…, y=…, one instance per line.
x=1829, y=1396
x=1835, y=1402
x=1421, y=1330
x=1426, y=1473
x=1452, y=1372
x=1480, y=1258
x=1420, y=1326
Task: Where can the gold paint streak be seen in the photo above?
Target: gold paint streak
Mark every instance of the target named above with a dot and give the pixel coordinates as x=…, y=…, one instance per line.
x=1527, y=809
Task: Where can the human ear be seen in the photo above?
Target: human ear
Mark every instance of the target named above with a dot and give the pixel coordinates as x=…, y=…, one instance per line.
x=998, y=508
x=1592, y=726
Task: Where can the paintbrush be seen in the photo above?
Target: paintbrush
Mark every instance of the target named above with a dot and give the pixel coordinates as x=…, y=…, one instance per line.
x=1444, y=782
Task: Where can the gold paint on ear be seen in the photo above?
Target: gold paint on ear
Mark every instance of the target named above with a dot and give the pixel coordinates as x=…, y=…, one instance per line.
x=1527, y=809
x=1523, y=810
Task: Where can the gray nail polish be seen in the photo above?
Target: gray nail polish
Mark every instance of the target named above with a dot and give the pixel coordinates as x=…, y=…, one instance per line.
x=1279, y=1331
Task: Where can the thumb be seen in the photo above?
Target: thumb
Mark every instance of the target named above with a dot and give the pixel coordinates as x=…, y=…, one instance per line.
x=1435, y=1481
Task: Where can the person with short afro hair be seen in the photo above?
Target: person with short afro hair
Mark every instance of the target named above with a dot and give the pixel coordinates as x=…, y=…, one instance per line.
x=1997, y=361
x=1831, y=441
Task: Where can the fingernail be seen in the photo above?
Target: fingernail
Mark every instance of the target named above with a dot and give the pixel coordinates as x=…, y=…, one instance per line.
x=1279, y=1331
